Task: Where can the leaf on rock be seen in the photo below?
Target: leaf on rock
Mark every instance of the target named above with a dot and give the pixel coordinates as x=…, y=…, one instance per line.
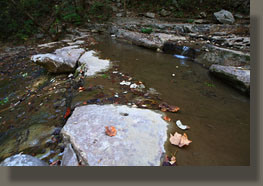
x=179, y=140
x=110, y=131
x=181, y=126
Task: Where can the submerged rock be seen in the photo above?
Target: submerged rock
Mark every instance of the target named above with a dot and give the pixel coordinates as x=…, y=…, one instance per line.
x=64, y=60
x=139, y=141
x=224, y=16
x=236, y=76
x=23, y=160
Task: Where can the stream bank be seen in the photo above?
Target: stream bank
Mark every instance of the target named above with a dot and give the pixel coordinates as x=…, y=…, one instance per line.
x=219, y=119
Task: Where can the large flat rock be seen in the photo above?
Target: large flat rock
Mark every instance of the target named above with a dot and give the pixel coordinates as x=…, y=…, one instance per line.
x=92, y=63
x=140, y=138
x=237, y=77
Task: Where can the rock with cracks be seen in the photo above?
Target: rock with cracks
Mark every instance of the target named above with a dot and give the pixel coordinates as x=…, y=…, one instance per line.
x=23, y=160
x=236, y=76
x=139, y=141
x=64, y=60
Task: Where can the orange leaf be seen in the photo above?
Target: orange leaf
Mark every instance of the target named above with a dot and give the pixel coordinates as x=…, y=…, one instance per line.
x=111, y=131
x=184, y=140
x=67, y=113
x=85, y=103
x=179, y=140
x=166, y=118
x=174, y=109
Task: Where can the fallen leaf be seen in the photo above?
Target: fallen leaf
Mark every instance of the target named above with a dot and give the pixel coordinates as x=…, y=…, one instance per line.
x=173, y=109
x=184, y=141
x=85, y=103
x=166, y=118
x=172, y=160
x=81, y=89
x=67, y=113
x=111, y=131
x=175, y=139
x=179, y=140
x=181, y=126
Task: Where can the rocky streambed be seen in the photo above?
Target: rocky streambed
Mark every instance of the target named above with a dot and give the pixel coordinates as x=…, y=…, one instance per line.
x=58, y=113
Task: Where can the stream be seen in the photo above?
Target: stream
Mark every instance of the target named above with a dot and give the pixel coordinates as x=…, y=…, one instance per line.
x=219, y=116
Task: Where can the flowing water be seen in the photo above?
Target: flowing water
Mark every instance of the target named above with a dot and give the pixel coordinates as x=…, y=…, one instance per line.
x=218, y=115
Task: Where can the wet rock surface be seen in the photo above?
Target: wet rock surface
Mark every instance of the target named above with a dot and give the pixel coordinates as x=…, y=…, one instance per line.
x=237, y=77
x=139, y=140
x=92, y=64
x=22, y=160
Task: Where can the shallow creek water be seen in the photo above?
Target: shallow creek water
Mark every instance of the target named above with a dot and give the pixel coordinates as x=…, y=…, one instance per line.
x=217, y=114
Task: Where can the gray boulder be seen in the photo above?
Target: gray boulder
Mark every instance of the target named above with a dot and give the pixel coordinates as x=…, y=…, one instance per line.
x=23, y=160
x=64, y=60
x=139, y=141
x=236, y=76
x=224, y=16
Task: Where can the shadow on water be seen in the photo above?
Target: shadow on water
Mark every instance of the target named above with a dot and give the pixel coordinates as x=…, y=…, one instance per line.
x=218, y=115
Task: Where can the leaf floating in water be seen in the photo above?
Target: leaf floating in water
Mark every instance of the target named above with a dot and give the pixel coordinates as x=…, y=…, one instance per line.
x=175, y=139
x=171, y=108
x=181, y=126
x=179, y=140
x=184, y=141
x=172, y=160
x=111, y=131
x=67, y=113
x=166, y=118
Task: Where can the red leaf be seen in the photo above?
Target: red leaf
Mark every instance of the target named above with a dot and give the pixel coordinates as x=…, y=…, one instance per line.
x=110, y=131
x=67, y=113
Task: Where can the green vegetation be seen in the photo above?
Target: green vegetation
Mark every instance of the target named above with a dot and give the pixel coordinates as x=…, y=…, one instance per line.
x=147, y=30
x=22, y=19
x=209, y=84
